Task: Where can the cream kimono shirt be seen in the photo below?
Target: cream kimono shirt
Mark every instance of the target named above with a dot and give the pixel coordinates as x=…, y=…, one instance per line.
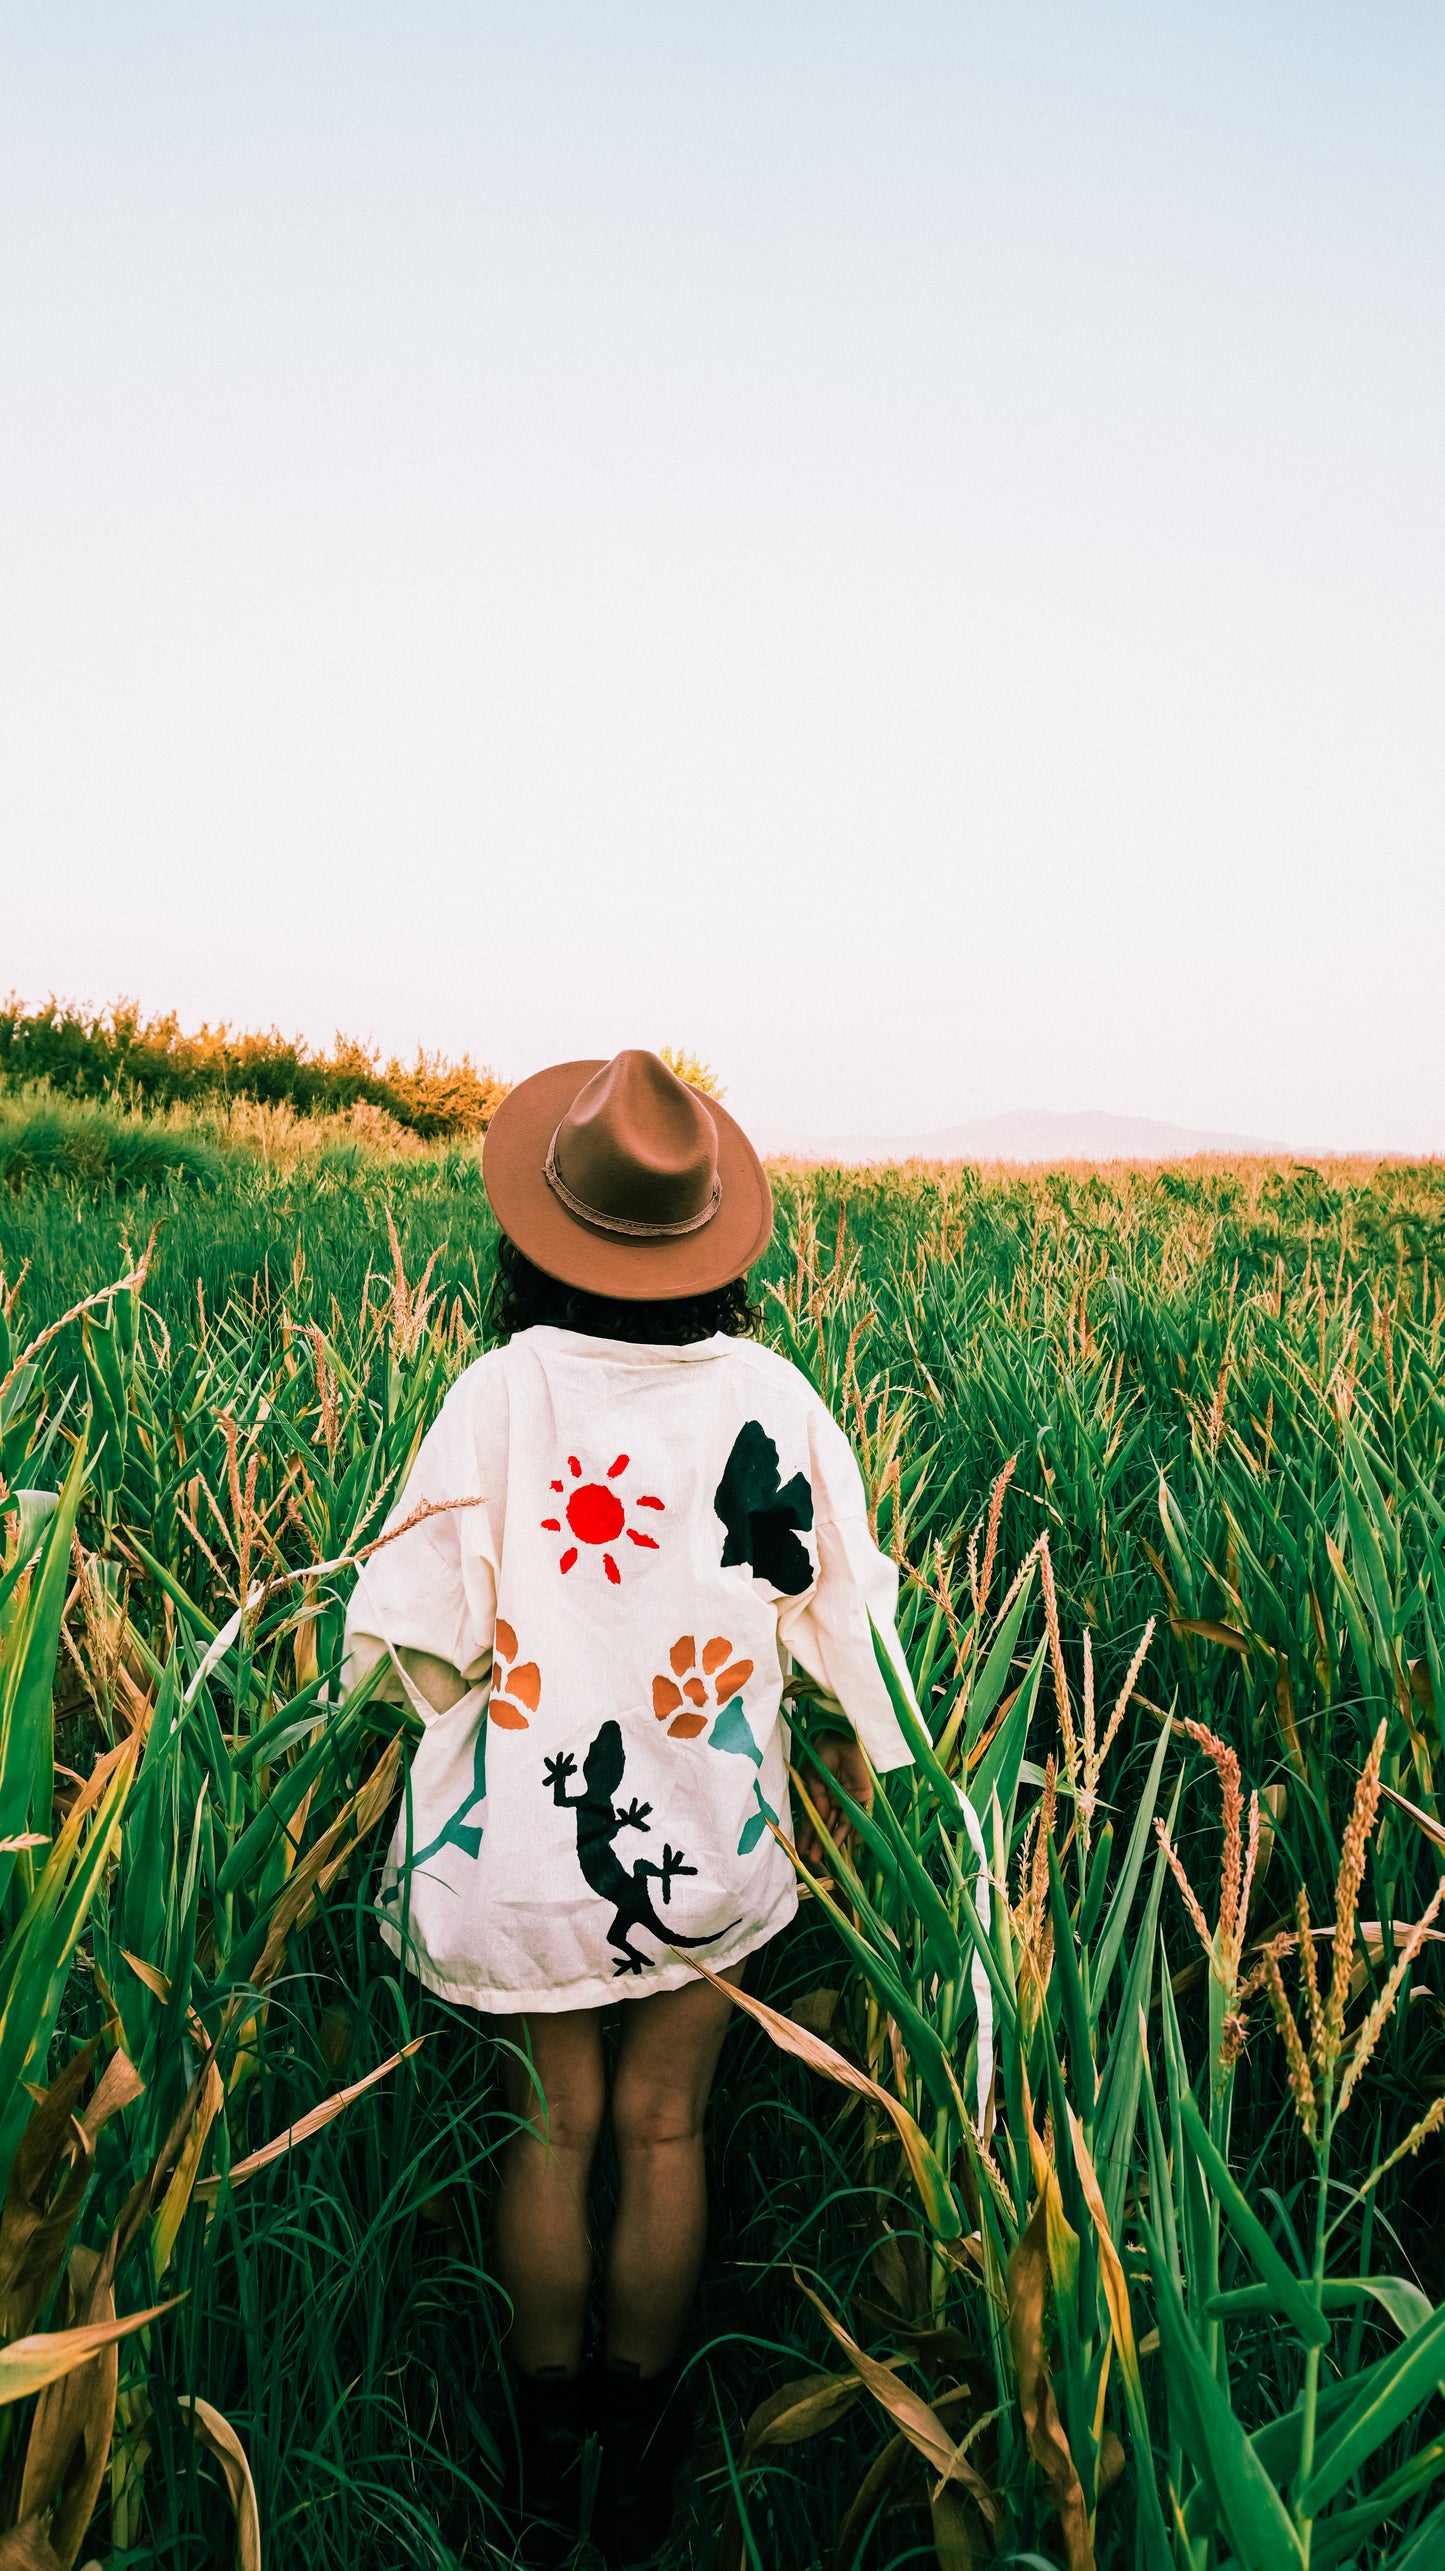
x=656, y=1533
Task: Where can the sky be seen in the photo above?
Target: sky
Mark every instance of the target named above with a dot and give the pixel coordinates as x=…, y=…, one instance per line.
x=899, y=546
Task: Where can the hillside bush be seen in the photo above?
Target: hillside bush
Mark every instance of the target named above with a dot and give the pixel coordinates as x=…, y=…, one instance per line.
x=116, y=1054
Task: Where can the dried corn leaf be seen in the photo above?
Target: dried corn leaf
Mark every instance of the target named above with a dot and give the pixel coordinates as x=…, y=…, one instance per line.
x=119, y=2085
x=869, y=2496
x=68, y=2448
x=803, y=2408
x=208, y=2188
x=876, y=2483
x=930, y=2343
x=901, y=2272
x=36, y=2225
x=958, y=2540
x=156, y=1982
x=27, y=2547
x=1111, y=2266
x=816, y=2011
x=928, y=2177
x=1210, y=1631
x=1434, y=1830
x=171, y=2212
x=28, y=2365
x=1028, y=2286
x=219, y=2436
x=919, y=2422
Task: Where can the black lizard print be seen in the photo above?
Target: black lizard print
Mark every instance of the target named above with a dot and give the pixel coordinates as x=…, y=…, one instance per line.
x=761, y=1514
x=599, y=1821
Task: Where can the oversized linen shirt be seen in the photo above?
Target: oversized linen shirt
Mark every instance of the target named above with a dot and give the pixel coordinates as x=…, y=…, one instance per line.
x=653, y=1534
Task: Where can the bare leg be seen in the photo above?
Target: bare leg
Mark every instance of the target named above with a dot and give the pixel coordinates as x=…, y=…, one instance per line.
x=542, y=2248
x=670, y=2046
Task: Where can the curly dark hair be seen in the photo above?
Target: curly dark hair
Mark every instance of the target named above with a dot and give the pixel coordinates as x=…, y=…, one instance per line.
x=523, y=1295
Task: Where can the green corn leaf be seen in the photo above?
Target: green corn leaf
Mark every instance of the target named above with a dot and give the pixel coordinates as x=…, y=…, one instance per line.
x=1124, y=2070
x=1201, y=2259
x=1117, y=1918
x=1260, y=1578
x=38, y=1955
x=1407, y=2307
x=14, y=1399
x=1292, y=2299
x=1336, y=2538
x=881, y=1831
x=926, y=1655
x=1407, y=2379
x=886, y=1937
x=1425, y=2549
x=107, y=1374
x=908, y=1722
x=1076, y=2015
x=1371, y=1575
x=34, y=1511
x=998, y=1770
x=994, y=1675
x=1243, y=2496
x=1277, y=2444
x=1075, y=2203
x=1176, y=1537
x=180, y=1598
x=1116, y=2117
x=276, y=1735
x=1101, y=1859
x=252, y=1848
x=921, y=2038
x=1379, y=1533
x=1351, y=1605
x=27, y=1677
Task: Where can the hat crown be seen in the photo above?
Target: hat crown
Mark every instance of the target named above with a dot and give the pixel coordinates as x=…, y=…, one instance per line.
x=637, y=1145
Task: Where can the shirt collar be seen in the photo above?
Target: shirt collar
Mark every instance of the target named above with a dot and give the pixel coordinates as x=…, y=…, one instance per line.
x=625, y=1352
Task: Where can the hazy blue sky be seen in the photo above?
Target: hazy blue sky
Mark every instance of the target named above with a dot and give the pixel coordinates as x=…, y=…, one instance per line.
x=902, y=545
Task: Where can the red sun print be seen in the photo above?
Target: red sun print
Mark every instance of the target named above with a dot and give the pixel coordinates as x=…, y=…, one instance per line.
x=596, y=1516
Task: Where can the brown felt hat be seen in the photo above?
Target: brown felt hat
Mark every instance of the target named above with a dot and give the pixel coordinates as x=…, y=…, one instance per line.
x=620, y=1178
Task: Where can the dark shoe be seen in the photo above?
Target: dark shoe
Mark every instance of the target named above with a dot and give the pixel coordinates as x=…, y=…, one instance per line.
x=645, y=2432
x=544, y=2478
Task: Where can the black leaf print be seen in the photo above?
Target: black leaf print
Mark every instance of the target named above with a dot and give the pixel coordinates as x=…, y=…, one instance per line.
x=761, y=1515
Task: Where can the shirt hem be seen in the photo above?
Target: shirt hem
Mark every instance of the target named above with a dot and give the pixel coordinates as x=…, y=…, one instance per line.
x=594, y=1993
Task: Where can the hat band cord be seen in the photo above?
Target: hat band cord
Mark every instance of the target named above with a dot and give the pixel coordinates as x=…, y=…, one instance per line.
x=601, y=1222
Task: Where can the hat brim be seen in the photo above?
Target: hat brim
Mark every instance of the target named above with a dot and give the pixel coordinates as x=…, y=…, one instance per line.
x=513, y=1158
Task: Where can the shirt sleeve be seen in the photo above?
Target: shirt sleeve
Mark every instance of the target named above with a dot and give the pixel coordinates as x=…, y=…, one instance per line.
x=434, y=1589
x=827, y=1629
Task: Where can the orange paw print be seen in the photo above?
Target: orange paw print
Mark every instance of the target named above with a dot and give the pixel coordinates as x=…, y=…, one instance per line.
x=684, y=1696
x=514, y=1683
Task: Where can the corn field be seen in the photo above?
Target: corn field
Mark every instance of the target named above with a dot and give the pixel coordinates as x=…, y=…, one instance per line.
x=1076, y=2156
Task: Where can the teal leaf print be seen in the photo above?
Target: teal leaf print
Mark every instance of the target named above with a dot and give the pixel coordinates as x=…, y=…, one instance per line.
x=458, y=1832
x=732, y=1731
x=756, y=1822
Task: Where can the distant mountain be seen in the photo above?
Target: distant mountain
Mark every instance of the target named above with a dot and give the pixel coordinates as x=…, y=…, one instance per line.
x=1039, y=1134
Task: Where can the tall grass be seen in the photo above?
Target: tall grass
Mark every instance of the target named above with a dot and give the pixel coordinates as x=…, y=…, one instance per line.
x=54, y=1142
x=1072, y=2313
